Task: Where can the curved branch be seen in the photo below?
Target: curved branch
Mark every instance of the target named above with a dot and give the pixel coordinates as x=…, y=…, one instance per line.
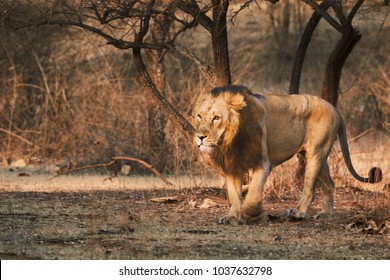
x=145, y=79
x=148, y=166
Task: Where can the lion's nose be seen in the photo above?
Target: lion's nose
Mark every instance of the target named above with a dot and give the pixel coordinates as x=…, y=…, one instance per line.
x=201, y=137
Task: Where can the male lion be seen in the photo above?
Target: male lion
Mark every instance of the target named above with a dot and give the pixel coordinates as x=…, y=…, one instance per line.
x=241, y=132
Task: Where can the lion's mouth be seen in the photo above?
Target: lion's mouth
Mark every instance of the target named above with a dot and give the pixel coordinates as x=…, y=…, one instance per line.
x=205, y=148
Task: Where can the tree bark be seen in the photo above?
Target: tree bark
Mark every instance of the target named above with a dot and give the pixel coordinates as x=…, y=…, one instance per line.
x=156, y=118
x=159, y=156
x=300, y=54
x=220, y=42
x=334, y=66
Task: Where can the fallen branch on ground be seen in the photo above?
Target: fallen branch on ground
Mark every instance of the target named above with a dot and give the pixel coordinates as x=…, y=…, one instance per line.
x=111, y=164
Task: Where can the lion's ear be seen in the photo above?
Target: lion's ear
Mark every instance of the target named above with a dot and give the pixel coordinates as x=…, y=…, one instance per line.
x=235, y=101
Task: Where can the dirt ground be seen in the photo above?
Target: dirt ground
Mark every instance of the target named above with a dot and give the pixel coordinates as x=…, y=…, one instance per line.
x=90, y=218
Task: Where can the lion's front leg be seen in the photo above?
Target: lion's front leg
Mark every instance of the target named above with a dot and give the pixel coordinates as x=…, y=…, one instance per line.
x=252, y=207
x=234, y=184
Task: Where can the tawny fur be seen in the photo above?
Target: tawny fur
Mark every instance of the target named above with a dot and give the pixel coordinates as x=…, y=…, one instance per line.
x=242, y=132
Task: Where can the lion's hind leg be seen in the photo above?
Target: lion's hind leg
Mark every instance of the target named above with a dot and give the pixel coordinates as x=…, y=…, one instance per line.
x=312, y=171
x=326, y=184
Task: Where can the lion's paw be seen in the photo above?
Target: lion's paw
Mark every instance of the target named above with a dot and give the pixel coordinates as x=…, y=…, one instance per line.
x=261, y=217
x=322, y=215
x=295, y=215
x=230, y=220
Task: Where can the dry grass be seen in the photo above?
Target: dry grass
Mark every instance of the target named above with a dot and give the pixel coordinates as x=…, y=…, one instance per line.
x=66, y=97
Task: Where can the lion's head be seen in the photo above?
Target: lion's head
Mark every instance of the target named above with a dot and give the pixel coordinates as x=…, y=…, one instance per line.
x=225, y=130
x=217, y=118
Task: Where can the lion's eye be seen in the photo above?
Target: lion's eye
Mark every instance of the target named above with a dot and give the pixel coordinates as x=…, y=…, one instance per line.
x=199, y=116
x=216, y=118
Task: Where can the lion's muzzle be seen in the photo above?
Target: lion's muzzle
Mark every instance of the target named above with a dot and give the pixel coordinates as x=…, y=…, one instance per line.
x=200, y=142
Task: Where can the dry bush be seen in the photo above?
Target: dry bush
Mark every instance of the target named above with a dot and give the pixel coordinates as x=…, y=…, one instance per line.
x=283, y=184
x=83, y=103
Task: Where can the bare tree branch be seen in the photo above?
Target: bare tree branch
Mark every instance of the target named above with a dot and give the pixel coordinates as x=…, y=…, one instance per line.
x=202, y=66
x=147, y=165
x=324, y=14
x=118, y=43
x=192, y=8
x=354, y=10
x=242, y=7
x=337, y=7
x=150, y=86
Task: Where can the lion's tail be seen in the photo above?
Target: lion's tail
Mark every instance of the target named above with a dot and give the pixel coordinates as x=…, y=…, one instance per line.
x=375, y=173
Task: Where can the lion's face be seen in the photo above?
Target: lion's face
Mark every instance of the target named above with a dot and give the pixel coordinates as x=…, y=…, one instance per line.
x=217, y=120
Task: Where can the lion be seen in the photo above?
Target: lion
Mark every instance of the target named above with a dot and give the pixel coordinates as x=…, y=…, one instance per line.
x=242, y=132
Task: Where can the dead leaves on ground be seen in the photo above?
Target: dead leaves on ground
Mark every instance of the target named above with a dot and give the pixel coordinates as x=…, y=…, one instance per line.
x=205, y=204
x=201, y=199
x=362, y=223
x=166, y=199
x=208, y=203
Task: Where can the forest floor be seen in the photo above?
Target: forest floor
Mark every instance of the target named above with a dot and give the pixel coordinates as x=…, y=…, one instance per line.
x=87, y=217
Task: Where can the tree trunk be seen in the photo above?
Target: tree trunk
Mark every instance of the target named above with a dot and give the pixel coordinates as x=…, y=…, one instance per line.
x=334, y=66
x=286, y=24
x=159, y=156
x=220, y=42
x=302, y=48
x=156, y=119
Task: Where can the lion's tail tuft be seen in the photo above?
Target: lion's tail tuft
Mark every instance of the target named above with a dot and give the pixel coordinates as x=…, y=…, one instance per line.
x=375, y=175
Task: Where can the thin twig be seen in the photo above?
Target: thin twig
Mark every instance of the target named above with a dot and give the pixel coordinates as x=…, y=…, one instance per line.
x=360, y=135
x=70, y=170
x=198, y=62
x=242, y=7
x=28, y=142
